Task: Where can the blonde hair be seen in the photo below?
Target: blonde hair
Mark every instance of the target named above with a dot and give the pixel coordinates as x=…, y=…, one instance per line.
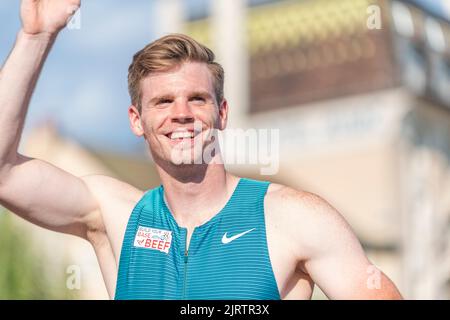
x=166, y=53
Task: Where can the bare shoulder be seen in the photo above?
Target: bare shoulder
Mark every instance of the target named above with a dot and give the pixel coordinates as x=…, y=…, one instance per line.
x=304, y=217
x=299, y=205
x=102, y=186
x=295, y=202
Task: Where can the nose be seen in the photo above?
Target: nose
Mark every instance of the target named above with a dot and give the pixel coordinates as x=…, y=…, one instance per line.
x=181, y=112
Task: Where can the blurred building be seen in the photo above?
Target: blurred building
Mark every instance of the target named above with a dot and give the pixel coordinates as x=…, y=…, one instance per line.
x=360, y=92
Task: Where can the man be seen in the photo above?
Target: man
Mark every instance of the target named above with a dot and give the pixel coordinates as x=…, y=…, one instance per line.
x=204, y=233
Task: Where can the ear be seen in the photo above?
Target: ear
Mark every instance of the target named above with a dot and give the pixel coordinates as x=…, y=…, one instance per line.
x=135, y=121
x=223, y=114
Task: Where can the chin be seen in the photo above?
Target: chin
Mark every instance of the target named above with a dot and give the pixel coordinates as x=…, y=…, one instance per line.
x=186, y=157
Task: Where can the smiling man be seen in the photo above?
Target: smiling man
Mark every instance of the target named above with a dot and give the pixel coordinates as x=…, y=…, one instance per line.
x=204, y=233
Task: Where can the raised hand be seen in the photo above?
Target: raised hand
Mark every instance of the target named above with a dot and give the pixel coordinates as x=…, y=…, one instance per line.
x=46, y=16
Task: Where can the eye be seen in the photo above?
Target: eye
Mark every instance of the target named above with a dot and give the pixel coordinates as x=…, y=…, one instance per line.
x=198, y=99
x=163, y=102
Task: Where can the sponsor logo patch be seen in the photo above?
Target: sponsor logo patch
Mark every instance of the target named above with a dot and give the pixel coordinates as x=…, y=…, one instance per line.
x=153, y=239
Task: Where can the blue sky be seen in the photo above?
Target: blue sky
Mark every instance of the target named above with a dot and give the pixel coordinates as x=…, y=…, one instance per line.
x=84, y=84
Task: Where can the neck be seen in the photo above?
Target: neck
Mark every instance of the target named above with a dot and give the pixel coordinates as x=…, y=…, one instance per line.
x=195, y=193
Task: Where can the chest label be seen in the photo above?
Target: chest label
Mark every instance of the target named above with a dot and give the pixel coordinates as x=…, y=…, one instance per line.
x=153, y=239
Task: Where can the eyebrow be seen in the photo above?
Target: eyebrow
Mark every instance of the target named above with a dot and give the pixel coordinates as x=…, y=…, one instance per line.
x=159, y=98
x=203, y=94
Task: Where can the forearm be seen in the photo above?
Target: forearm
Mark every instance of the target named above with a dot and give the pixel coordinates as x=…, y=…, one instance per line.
x=18, y=79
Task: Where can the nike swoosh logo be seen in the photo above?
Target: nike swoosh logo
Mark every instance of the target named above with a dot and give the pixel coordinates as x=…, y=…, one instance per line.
x=226, y=240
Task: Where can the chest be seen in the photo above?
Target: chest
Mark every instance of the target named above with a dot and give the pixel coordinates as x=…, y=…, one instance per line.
x=227, y=258
x=215, y=255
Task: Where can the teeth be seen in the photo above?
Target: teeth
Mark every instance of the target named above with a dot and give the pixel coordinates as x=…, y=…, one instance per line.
x=181, y=135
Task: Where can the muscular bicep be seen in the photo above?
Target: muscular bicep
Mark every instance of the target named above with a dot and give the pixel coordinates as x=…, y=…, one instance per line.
x=335, y=259
x=337, y=263
x=48, y=196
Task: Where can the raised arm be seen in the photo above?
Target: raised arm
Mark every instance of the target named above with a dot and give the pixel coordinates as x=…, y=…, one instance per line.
x=31, y=188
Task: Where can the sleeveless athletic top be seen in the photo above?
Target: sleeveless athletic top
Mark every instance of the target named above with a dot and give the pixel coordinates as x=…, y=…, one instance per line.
x=227, y=256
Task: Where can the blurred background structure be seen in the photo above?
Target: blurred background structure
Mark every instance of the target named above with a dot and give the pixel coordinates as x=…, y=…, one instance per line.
x=359, y=89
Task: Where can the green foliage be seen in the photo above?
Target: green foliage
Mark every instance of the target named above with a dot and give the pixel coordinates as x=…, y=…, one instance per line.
x=23, y=273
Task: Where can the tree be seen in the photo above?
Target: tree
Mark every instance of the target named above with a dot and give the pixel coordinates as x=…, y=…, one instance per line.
x=23, y=274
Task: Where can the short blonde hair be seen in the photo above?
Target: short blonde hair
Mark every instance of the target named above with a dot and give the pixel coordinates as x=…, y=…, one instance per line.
x=166, y=53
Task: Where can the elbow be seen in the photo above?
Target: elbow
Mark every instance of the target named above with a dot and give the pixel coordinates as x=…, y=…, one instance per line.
x=6, y=166
x=389, y=291
x=3, y=178
x=4, y=169
x=395, y=295
x=390, y=294
x=7, y=162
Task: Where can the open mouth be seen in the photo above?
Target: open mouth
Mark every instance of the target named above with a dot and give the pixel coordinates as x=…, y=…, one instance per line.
x=187, y=136
x=181, y=135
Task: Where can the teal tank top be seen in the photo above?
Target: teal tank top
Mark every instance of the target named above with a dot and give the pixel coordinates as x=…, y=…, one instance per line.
x=227, y=256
